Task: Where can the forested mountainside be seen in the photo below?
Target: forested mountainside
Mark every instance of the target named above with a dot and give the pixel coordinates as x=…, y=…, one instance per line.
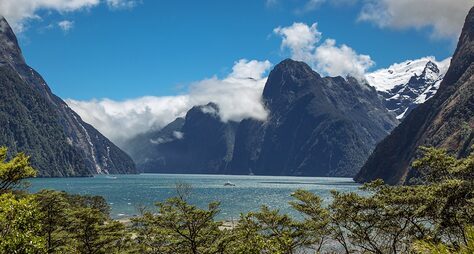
x=34, y=120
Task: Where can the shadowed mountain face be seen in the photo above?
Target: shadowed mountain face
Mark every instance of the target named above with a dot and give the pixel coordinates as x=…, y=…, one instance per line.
x=316, y=127
x=446, y=120
x=199, y=143
x=36, y=121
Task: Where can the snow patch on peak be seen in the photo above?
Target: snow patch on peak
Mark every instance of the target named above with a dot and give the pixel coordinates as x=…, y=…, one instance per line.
x=401, y=73
x=405, y=85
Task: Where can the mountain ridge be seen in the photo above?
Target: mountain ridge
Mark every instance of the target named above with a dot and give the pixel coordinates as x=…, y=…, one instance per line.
x=446, y=120
x=86, y=151
x=304, y=134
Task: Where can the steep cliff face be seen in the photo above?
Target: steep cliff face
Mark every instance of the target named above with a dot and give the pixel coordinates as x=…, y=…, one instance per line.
x=446, y=120
x=40, y=123
x=316, y=126
x=199, y=143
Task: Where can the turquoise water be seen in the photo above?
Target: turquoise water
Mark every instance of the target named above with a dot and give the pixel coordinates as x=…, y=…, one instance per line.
x=125, y=192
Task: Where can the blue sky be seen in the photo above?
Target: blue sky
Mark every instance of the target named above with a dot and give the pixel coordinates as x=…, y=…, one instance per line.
x=158, y=47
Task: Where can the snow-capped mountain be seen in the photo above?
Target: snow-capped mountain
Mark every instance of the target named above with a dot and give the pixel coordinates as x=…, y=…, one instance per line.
x=408, y=84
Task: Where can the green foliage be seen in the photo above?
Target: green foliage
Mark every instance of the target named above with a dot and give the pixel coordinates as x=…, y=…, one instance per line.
x=79, y=224
x=14, y=171
x=180, y=227
x=425, y=247
x=450, y=192
x=393, y=217
x=268, y=231
x=54, y=207
x=20, y=228
x=271, y=232
x=317, y=219
x=93, y=233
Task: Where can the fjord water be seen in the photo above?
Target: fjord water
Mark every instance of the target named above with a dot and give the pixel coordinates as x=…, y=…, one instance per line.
x=125, y=193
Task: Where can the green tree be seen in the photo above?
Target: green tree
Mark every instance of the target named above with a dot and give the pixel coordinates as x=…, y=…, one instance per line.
x=450, y=194
x=14, y=171
x=316, y=223
x=388, y=220
x=54, y=217
x=93, y=233
x=425, y=247
x=180, y=227
x=97, y=203
x=149, y=238
x=20, y=227
x=385, y=222
x=79, y=224
x=268, y=231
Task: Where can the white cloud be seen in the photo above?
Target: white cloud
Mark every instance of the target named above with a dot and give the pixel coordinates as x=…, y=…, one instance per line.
x=178, y=134
x=342, y=60
x=326, y=58
x=17, y=12
x=311, y=5
x=66, y=25
x=238, y=96
x=122, y=4
x=254, y=69
x=20, y=12
x=271, y=3
x=445, y=17
x=300, y=38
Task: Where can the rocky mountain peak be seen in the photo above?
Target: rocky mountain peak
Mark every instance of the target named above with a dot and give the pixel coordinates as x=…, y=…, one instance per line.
x=287, y=82
x=431, y=67
x=10, y=52
x=406, y=85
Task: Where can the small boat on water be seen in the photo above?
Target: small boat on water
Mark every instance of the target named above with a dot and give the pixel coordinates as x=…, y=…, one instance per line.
x=111, y=177
x=229, y=184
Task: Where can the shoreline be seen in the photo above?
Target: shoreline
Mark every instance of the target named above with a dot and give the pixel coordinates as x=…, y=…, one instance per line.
x=226, y=224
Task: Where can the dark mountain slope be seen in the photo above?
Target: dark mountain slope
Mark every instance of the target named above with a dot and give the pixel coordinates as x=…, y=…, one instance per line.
x=446, y=120
x=316, y=127
x=200, y=143
x=38, y=122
